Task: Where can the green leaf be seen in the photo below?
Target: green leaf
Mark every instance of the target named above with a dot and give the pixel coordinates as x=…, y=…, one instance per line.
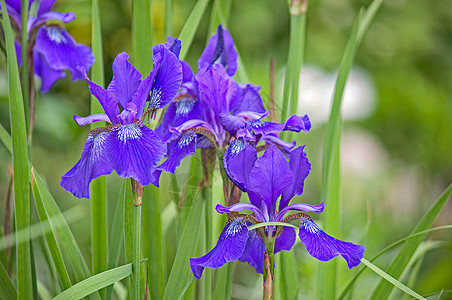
x=155, y=246
x=60, y=229
x=116, y=235
x=391, y=279
x=223, y=282
x=289, y=277
x=191, y=25
x=142, y=36
x=98, y=193
x=403, y=257
x=326, y=283
x=7, y=290
x=94, y=283
x=181, y=272
x=386, y=249
x=20, y=161
x=6, y=138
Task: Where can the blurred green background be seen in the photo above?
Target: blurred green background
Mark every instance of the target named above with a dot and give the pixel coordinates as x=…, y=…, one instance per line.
x=397, y=140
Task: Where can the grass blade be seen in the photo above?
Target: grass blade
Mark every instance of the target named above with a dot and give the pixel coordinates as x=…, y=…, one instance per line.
x=20, y=162
x=7, y=290
x=98, y=195
x=326, y=287
x=180, y=272
x=142, y=35
x=403, y=257
x=391, y=279
x=289, y=278
x=6, y=138
x=223, y=284
x=61, y=230
x=191, y=25
x=155, y=245
x=94, y=283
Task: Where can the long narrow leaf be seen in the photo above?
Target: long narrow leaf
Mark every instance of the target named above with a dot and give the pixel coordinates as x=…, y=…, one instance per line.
x=191, y=25
x=20, y=161
x=7, y=290
x=391, y=279
x=142, y=35
x=180, y=272
x=95, y=283
x=403, y=257
x=326, y=287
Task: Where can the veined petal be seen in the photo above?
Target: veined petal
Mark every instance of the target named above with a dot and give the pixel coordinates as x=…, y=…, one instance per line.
x=133, y=151
x=126, y=79
x=61, y=52
x=248, y=99
x=179, y=149
x=220, y=49
x=284, y=146
x=298, y=123
x=229, y=247
x=238, y=161
x=48, y=75
x=93, y=163
x=286, y=240
x=261, y=127
x=168, y=78
x=238, y=207
x=300, y=167
x=45, y=6
x=195, y=123
x=108, y=102
x=232, y=123
x=254, y=252
x=301, y=207
x=187, y=73
x=270, y=175
x=91, y=119
x=324, y=247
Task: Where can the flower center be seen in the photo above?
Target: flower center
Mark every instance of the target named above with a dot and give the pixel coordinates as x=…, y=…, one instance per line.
x=234, y=227
x=55, y=34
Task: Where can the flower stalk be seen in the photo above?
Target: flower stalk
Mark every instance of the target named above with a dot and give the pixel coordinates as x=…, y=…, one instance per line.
x=137, y=192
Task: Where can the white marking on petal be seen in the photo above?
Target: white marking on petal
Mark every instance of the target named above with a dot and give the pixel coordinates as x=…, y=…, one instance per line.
x=257, y=123
x=98, y=146
x=235, y=147
x=185, y=140
x=55, y=34
x=156, y=98
x=184, y=106
x=234, y=227
x=129, y=132
x=310, y=226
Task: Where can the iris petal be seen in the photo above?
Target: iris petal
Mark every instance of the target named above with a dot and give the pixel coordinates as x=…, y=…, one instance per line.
x=133, y=151
x=93, y=163
x=254, y=252
x=179, y=149
x=286, y=240
x=229, y=247
x=324, y=247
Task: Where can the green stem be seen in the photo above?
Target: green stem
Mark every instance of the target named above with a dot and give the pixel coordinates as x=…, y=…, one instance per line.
x=137, y=192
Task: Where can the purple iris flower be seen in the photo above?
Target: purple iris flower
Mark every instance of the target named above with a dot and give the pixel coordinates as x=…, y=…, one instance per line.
x=265, y=179
x=211, y=108
x=129, y=147
x=54, y=49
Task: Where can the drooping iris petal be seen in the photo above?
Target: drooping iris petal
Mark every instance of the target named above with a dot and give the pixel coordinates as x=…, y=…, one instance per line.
x=229, y=247
x=300, y=167
x=108, y=102
x=133, y=151
x=324, y=247
x=220, y=49
x=273, y=139
x=93, y=163
x=261, y=127
x=126, y=79
x=168, y=78
x=286, y=240
x=61, y=52
x=187, y=73
x=179, y=149
x=270, y=175
x=196, y=123
x=298, y=123
x=91, y=119
x=254, y=252
x=48, y=75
